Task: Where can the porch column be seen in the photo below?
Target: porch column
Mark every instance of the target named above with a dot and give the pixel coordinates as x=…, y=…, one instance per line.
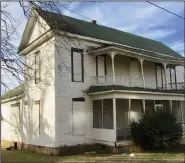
x=129, y=109
x=112, y=54
x=182, y=114
x=114, y=113
x=144, y=105
x=164, y=64
x=183, y=118
x=170, y=106
x=102, y=113
x=142, y=72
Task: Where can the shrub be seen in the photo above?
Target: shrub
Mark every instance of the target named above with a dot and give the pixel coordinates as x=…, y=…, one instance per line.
x=159, y=129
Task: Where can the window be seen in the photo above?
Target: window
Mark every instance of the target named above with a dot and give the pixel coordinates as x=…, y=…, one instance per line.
x=77, y=65
x=97, y=114
x=149, y=107
x=37, y=67
x=103, y=114
x=159, y=75
x=159, y=107
x=177, y=111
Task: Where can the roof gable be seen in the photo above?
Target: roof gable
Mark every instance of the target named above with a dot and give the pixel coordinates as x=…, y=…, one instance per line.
x=35, y=27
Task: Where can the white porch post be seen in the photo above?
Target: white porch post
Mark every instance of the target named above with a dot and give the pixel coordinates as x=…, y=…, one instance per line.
x=164, y=64
x=142, y=72
x=144, y=105
x=171, y=106
x=102, y=113
x=129, y=109
x=183, y=118
x=182, y=113
x=114, y=115
x=112, y=54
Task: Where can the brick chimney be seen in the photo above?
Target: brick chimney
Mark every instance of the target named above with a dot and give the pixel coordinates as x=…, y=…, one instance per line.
x=93, y=21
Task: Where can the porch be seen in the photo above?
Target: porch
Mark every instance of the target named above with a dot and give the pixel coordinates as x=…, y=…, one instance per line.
x=112, y=116
x=125, y=69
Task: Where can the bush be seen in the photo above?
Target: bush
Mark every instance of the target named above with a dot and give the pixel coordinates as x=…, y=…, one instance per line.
x=159, y=129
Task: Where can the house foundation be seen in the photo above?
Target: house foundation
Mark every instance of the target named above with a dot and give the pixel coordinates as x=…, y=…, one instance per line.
x=73, y=150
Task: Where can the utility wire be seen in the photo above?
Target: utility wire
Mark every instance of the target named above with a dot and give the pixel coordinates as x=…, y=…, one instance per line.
x=166, y=10
x=119, y=41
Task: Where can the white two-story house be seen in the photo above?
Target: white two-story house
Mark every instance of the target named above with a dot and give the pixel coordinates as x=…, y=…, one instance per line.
x=86, y=82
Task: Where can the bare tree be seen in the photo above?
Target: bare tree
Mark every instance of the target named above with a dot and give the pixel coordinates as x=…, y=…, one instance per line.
x=12, y=64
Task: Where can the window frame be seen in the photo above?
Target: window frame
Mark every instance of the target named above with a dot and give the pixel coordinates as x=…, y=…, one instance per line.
x=37, y=80
x=72, y=65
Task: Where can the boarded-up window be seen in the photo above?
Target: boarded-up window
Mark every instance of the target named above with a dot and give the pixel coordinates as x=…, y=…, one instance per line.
x=36, y=117
x=78, y=112
x=77, y=65
x=15, y=115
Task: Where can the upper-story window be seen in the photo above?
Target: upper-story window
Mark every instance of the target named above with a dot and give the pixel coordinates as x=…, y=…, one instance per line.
x=77, y=65
x=37, y=67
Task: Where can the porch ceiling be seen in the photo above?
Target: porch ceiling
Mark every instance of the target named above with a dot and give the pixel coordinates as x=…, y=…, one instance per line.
x=106, y=88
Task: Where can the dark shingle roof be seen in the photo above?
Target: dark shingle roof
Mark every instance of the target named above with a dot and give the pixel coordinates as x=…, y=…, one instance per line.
x=13, y=92
x=88, y=29
x=96, y=89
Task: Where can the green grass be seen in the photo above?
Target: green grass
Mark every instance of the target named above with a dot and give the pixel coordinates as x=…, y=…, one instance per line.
x=28, y=157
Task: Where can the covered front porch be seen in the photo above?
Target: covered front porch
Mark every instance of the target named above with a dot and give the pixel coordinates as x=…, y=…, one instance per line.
x=112, y=115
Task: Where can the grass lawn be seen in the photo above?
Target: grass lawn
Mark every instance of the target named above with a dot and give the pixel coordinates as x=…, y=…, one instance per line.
x=28, y=157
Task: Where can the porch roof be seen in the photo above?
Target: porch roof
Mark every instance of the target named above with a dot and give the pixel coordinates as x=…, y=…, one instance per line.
x=96, y=89
x=13, y=92
x=137, y=50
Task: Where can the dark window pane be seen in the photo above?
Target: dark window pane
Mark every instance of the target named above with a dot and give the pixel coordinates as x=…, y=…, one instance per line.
x=97, y=114
x=108, y=114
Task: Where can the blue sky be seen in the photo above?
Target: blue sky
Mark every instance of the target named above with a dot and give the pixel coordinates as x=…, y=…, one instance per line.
x=140, y=18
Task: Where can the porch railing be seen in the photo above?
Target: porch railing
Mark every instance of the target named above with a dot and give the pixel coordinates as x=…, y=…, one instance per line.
x=179, y=85
x=123, y=134
x=123, y=80
x=130, y=81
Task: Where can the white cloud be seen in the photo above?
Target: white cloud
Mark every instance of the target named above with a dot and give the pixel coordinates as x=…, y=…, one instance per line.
x=139, y=18
x=156, y=34
x=178, y=46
